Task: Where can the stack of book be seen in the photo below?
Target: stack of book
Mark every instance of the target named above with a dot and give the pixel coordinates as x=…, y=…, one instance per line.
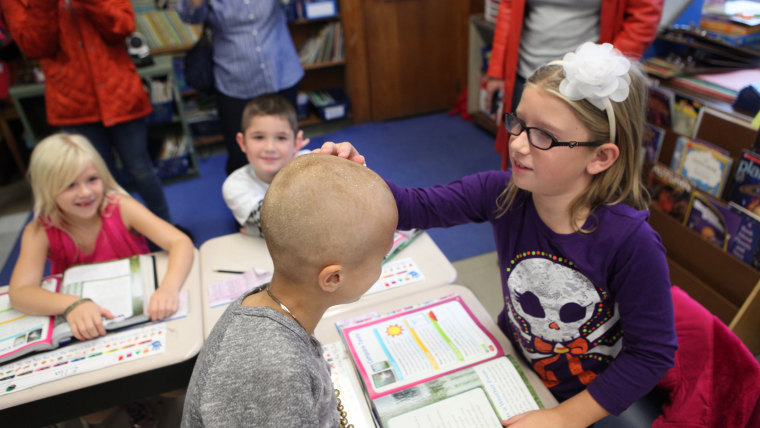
x=310, y=9
x=164, y=30
x=325, y=46
x=737, y=22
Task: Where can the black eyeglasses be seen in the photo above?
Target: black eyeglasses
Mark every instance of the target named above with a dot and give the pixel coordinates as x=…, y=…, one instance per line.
x=539, y=138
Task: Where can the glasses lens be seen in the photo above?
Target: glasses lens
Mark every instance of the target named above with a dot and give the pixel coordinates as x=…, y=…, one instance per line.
x=539, y=138
x=512, y=124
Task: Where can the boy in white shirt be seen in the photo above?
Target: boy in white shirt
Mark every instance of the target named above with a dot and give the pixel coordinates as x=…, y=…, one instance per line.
x=270, y=139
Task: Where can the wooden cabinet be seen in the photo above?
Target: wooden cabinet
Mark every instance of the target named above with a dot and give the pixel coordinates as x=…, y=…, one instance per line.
x=404, y=57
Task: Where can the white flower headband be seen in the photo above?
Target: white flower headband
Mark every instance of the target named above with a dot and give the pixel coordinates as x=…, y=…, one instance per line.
x=597, y=73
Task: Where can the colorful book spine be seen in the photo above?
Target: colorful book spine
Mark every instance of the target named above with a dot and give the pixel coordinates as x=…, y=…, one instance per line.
x=705, y=88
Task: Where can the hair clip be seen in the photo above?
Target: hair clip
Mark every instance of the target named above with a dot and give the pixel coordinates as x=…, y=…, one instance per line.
x=599, y=74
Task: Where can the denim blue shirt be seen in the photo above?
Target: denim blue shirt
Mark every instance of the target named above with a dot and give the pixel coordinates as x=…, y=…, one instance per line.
x=253, y=50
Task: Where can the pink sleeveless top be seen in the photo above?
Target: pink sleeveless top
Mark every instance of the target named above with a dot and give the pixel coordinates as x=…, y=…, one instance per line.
x=114, y=242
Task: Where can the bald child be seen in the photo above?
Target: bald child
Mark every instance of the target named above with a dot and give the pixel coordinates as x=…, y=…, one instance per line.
x=328, y=224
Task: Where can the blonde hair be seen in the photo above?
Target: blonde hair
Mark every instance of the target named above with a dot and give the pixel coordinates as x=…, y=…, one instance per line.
x=55, y=163
x=269, y=105
x=621, y=182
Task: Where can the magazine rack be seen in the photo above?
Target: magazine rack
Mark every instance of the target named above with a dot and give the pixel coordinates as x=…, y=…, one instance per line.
x=726, y=286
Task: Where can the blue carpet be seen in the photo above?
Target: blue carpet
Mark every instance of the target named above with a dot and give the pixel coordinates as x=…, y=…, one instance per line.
x=419, y=151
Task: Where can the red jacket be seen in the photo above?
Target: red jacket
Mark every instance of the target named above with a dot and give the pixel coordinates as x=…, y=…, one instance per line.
x=89, y=76
x=630, y=25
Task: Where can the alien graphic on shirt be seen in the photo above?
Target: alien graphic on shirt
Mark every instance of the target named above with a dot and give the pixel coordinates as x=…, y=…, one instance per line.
x=559, y=318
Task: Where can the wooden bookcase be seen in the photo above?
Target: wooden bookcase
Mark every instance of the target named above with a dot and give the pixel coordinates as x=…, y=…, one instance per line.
x=726, y=286
x=480, y=36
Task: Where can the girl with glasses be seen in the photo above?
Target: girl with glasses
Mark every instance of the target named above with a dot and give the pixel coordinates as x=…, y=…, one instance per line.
x=586, y=286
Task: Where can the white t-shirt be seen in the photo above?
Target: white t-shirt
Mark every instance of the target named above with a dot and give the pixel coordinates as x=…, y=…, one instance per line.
x=243, y=191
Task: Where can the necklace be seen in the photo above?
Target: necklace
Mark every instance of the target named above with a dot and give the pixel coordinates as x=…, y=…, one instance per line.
x=341, y=410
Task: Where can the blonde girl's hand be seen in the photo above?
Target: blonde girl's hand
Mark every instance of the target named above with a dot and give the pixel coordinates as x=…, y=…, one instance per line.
x=86, y=320
x=344, y=150
x=163, y=304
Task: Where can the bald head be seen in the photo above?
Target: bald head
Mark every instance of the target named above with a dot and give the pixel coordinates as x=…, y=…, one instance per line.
x=323, y=209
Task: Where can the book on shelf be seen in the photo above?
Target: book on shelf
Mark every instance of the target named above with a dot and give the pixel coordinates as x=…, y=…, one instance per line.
x=738, y=17
x=164, y=29
x=685, y=113
x=707, y=165
x=727, y=226
x=704, y=87
x=735, y=39
x=745, y=189
x=745, y=242
x=671, y=192
x=709, y=217
x=310, y=9
x=435, y=365
x=652, y=142
x=660, y=106
x=123, y=286
x=325, y=46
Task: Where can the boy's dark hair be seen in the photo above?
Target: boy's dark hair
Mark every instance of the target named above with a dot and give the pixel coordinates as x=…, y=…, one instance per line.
x=269, y=105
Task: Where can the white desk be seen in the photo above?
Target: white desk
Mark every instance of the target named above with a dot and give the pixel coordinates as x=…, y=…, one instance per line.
x=239, y=252
x=398, y=298
x=96, y=390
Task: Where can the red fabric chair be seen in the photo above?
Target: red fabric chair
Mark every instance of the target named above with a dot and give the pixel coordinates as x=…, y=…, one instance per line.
x=715, y=381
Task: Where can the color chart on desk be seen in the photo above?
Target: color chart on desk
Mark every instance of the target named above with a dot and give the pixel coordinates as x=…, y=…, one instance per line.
x=397, y=273
x=81, y=357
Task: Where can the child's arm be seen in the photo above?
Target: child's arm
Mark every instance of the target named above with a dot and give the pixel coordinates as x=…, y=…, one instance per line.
x=165, y=300
x=578, y=411
x=26, y=295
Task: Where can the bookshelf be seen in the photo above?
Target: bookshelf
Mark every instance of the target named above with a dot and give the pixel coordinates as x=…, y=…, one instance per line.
x=320, y=47
x=480, y=36
x=726, y=286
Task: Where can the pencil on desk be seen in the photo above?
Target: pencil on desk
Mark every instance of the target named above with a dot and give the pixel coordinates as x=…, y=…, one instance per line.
x=409, y=240
x=234, y=272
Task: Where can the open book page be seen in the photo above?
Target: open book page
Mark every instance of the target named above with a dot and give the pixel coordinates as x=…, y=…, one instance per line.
x=405, y=348
x=122, y=286
x=105, y=351
x=226, y=291
x=481, y=395
x=21, y=333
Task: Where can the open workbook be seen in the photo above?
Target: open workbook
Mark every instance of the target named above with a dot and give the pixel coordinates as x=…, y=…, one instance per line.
x=122, y=286
x=435, y=365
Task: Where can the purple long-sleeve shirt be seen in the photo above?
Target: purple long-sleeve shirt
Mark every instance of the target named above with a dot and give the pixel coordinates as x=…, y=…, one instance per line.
x=588, y=311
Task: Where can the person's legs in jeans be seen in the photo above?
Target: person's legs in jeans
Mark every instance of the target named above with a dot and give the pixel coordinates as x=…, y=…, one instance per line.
x=96, y=133
x=230, y=112
x=291, y=94
x=130, y=139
